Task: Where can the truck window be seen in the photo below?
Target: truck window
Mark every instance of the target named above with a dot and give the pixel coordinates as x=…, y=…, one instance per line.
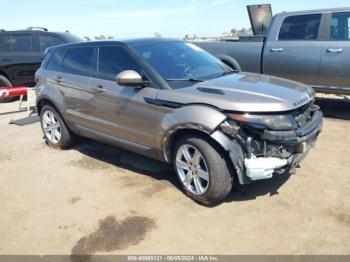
x=48, y=41
x=78, y=61
x=300, y=27
x=340, y=26
x=16, y=43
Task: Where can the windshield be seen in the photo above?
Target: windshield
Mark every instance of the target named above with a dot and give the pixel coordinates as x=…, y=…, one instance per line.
x=181, y=61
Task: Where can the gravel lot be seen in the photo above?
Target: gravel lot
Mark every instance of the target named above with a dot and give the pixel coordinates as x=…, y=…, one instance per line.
x=97, y=199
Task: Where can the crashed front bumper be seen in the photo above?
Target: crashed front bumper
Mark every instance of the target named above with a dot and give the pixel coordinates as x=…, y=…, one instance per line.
x=295, y=137
x=280, y=151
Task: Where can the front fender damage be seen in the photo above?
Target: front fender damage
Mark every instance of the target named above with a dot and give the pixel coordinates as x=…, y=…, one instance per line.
x=235, y=152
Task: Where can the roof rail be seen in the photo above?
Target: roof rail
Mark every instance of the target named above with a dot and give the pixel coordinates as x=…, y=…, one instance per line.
x=36, y=28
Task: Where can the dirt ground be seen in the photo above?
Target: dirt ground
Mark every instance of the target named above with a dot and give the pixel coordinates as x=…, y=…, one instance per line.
x=99, y=200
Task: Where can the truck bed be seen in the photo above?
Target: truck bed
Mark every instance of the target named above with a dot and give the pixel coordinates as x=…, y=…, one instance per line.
x=247, y=53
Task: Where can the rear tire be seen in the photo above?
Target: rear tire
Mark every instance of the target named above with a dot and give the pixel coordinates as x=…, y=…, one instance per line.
x=56, y=132
x=4, y=82
x=204, y=172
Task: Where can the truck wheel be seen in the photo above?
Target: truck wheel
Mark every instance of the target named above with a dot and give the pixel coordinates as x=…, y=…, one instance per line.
x=55, y=130
x=4, y=82
x=231, y=62
x=202, y=169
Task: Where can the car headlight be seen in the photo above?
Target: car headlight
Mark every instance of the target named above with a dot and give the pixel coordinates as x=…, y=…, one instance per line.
x=272, y=122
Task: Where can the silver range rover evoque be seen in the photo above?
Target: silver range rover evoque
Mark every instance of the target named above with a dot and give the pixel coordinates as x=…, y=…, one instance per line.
x=172, y=101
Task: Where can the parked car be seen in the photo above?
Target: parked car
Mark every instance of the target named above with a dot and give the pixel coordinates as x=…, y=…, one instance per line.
x=21, y=53
x=174, y=102
x=311, y=47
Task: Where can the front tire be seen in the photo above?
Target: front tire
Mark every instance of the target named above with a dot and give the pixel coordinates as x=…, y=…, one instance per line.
x=55, y=130
x=202, y=169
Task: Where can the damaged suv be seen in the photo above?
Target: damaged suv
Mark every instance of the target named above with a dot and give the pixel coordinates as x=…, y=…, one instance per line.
x=172, y=101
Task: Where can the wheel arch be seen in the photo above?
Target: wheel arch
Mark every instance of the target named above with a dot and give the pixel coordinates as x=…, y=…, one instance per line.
x=3, y=73
x=45, y=101
x=216, y=143
x=230, y=61
x=169, y=144
x=196, y=119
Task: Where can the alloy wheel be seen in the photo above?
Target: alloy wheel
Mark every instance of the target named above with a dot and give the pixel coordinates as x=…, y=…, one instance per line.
x=51, y=127
x=192, y=169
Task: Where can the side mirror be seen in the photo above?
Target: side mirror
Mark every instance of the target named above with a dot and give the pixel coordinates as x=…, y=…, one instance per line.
x=130, y=78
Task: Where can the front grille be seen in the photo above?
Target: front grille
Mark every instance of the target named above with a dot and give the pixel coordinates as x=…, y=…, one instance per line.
x=304, y=114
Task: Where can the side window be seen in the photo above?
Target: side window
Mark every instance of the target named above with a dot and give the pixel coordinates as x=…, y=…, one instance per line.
x=48, y=41
x=340, y=26
x=300, y=27
x=54, y=62
x=17, y=43
x=78, y=61
x=113, y=60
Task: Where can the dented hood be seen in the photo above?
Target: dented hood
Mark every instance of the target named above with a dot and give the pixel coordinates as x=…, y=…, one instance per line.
x=244, y=92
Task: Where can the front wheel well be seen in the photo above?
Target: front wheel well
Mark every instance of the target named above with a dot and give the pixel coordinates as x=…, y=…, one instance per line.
x=169, y=146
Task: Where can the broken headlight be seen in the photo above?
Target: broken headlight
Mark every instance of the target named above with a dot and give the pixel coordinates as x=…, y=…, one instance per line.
x=271, y=122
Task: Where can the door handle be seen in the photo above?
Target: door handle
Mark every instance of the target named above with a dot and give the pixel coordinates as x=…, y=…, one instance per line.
x=276, y=50
x=7, y=59
x=99, y=89
x=334, y=50
x=58, y=79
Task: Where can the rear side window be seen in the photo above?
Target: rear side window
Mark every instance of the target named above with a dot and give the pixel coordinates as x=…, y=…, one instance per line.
x=48, y=41
x=113, y=60
x=78, y=61
x=54, y=62
x=16, y=43
x=300, y=27
x=340, y=26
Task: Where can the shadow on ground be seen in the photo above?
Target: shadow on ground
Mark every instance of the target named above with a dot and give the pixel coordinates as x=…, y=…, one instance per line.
x=335, y=108
x=163, y=172
x=126, y=160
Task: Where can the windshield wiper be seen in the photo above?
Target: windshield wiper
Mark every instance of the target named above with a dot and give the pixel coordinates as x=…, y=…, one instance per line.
x=184, y=80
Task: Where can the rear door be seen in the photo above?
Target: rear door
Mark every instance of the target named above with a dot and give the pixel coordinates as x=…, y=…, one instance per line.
x=293, y=50
x=335, y=61
x=121, y=111
x=74, y=85
x=20, y=57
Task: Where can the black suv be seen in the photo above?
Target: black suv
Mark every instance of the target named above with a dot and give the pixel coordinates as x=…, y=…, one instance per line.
x=21, y=53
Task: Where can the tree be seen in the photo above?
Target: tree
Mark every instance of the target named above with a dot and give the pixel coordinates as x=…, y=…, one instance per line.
x=158, y=35
x=234, y=32
x=101, y=37
x=87, y=38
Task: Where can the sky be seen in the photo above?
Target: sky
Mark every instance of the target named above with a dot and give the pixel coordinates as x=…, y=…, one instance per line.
x=142, y=18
